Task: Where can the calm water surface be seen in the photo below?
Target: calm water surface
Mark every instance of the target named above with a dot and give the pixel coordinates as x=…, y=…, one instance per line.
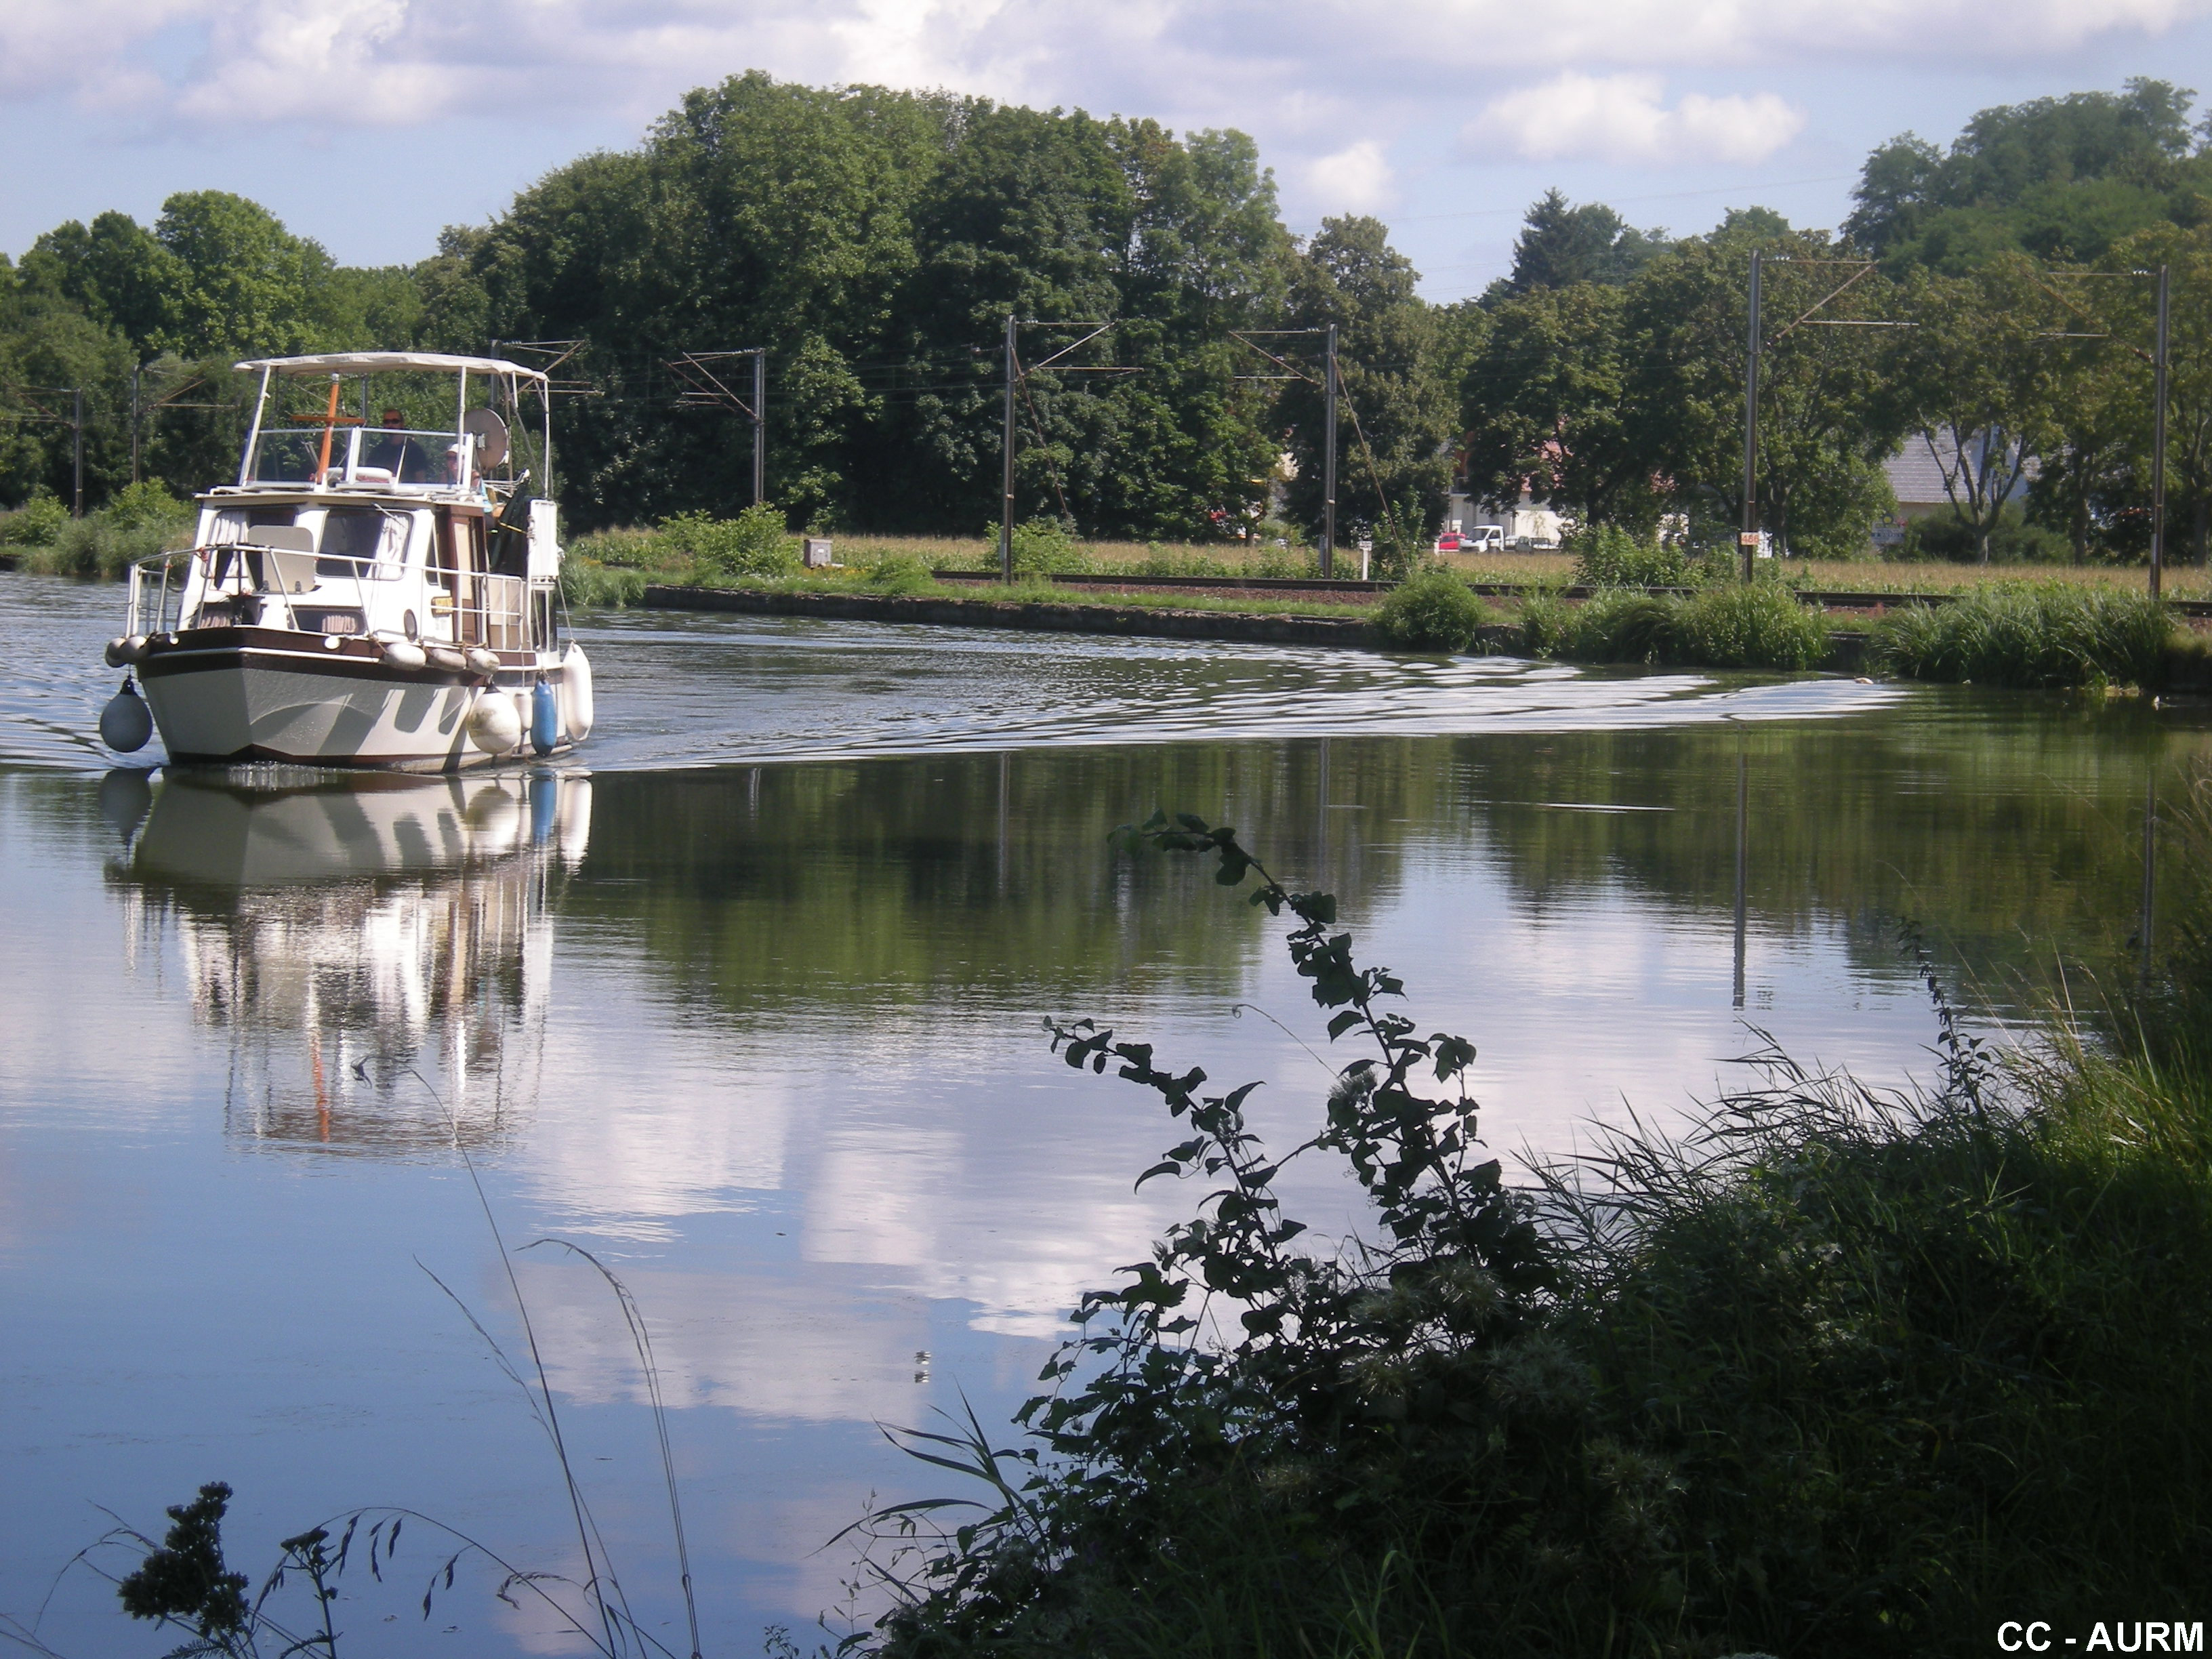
x=749, y=1009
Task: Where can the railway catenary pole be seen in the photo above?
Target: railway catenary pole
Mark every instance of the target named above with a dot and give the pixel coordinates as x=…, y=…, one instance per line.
x=760, y=426
x=1006, y=467
x=2158, y=361
x=1747, y=541
x=1328, y=461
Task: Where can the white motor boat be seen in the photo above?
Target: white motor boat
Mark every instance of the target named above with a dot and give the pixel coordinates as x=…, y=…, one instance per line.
x=366, y=594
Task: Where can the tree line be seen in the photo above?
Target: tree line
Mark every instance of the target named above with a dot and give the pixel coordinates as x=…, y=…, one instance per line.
x=874, y=242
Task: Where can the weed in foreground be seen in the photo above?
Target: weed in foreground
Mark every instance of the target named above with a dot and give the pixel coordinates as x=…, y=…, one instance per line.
x=1846, y=1371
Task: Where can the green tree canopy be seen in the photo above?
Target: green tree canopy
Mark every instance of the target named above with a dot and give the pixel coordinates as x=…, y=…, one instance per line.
x=1400, y=407
x=1543, y=408
x=2060, y=177
x=1825, y=423
x=1561, y=244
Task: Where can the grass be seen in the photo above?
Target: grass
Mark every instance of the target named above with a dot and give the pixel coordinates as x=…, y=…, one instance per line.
x=1760, y=626
x=1846, y=1374
x=2035, y=636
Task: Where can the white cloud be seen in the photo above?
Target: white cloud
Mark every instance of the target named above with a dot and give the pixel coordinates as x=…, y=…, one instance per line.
x=1330, y=87
x=1620, y=118
x=1356, y=179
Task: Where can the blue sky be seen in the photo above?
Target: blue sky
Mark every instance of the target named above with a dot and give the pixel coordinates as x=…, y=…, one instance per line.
x=369, y=124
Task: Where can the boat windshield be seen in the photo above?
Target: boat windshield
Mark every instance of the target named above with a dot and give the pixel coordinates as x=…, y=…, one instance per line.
x=377, y=455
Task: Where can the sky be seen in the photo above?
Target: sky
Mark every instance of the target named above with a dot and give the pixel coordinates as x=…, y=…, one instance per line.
x=368, y=125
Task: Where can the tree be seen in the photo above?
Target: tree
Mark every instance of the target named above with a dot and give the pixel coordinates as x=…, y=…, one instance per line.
x=1825, y=424
x=115, y=272
x=54, y=349
x=2098, y=408
x=1399, y=409
x=1974, y=377
x=2060, y=177
x=1560, y=246
x=1542, y=406
x=247, y=286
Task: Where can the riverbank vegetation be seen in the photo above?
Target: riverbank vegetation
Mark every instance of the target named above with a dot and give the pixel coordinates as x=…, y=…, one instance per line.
x=139, y=521
x=884, y=236
x=1843, y=1372
x=2052, y=635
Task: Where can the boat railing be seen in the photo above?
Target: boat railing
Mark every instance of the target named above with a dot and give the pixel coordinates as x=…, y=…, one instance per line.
x=157, y=591
x=484, y=608
x=467, y=607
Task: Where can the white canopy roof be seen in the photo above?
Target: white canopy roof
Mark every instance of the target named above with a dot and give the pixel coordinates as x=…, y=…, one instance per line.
x=386, y=362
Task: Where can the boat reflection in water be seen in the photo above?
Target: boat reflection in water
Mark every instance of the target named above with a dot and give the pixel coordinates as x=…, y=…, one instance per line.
x=349, y=933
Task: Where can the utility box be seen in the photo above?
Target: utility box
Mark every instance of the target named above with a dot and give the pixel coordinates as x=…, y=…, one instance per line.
x=814, y=552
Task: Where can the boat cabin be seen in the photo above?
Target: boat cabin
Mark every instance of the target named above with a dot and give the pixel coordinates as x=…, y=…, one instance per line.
x=353, y=517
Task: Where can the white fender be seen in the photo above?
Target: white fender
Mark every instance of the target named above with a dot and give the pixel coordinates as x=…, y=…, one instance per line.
x=494, y=726
x=574, y=690
x=403, y=653
x=483, y=661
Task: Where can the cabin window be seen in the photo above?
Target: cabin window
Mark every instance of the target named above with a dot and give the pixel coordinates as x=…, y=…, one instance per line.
x=351, y=539
x=237, y=524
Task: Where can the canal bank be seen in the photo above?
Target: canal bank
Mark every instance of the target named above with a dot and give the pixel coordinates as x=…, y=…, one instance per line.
x=1031, y=616
x=2186, y=666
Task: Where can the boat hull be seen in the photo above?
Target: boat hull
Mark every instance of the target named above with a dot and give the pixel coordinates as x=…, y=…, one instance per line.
x=231, y=699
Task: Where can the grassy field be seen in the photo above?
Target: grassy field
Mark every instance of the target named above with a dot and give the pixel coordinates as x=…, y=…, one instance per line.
x=1854, y=575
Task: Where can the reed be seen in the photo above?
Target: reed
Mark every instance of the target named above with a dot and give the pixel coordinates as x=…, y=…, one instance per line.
x=2040, y=635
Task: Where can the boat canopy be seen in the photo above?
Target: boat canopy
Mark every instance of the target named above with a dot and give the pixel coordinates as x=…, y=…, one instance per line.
x=387, y=363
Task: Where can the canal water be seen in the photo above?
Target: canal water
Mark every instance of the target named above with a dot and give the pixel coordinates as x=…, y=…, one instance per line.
x=747, y=1003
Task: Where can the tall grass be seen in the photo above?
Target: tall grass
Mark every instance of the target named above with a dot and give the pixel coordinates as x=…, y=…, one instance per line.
x=1756, y=625
x=2039, y=636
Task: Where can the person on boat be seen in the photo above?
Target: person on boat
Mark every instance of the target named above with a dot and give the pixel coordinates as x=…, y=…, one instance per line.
x=406, y=460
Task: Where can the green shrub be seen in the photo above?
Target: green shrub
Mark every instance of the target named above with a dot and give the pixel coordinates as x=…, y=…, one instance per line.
x=1622, y=625
x=903, y=574
x=2011, y=633
x=2013, y=540
x=1547, y=624
x=34, y=524
x=139, y=505
x=1606, y=555
x=628, y=549
x=754, y=543
x=1434, y=612
x=1041, y=547
x=1748, y=625
x=1729, y=625
x=586, y=582
x=97, y=546
x=1284, y=564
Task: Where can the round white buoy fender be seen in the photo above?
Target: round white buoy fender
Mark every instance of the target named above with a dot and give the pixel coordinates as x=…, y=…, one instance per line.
x=494, y=725
x=125, y=723
x=124, y=650
x=574, y=691
x=404, y=653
